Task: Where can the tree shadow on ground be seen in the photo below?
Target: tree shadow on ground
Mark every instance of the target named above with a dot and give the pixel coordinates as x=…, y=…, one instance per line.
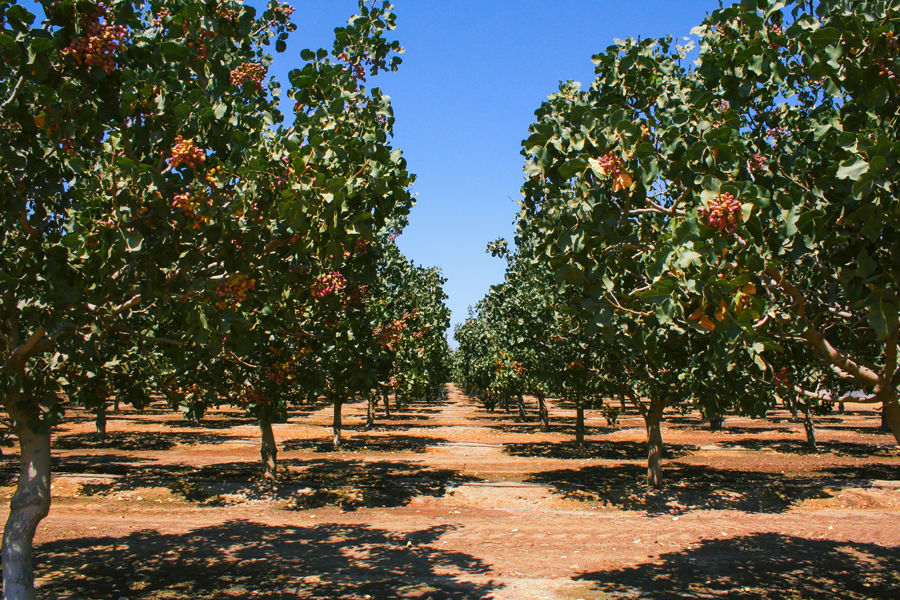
x=100, y=464
x=365, y=444
x=352, y=484
x=240, y=559
x=303, y=484
x=618, y=450
x=395, y=423
x=689, y=487
x=211, y=423
x=135, y=440
x=798, y=446
x=765, y=566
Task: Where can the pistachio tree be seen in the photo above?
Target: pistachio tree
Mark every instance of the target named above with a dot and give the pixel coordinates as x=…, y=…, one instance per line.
x=151, y=198
x=748, y=200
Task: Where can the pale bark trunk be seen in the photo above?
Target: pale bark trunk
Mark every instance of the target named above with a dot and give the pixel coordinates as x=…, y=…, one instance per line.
x=336, y=424
x=652, y=419
x=521, y=406
x=268, y=450
x=579, y=426
x=810, y=428
x=370, y=413
x=29, y=505
x=543, y=413
x=100, y=422
x=891, y=412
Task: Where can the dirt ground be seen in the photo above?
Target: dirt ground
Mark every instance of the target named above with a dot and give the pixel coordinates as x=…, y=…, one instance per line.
x=447, y=500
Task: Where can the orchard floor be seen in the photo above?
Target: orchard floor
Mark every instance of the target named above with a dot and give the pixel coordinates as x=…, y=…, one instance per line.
x=447, y=500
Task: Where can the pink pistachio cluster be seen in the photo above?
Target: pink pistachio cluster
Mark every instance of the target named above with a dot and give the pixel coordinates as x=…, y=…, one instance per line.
x=724, y=213
x=757, y=163
x=184, y=152
x=388, y=336
x=162, y=14
x=610, y=164
x=98, y=46
x=251, y=395
x=782, y=375
x=286, y=9
x=279, y=373
x=189, y=204
x=233, y=291
x=252, y=72
x=328, y=283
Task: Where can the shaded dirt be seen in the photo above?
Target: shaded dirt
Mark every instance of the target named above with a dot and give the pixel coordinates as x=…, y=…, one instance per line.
x=447, y=500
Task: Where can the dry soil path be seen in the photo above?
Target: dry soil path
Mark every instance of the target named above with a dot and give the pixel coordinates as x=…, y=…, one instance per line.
x=446, y=500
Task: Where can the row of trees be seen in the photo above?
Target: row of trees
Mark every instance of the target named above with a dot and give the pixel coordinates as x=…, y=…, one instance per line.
x=714, y=236
x=167, y=228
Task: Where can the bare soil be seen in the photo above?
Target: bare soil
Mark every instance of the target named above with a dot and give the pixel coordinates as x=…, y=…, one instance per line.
x=448, y=500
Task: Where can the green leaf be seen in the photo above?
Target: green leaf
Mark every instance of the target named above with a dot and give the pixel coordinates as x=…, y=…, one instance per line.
x=174, y=51
x=852, y=168
x=133, y=241
x=882, y=314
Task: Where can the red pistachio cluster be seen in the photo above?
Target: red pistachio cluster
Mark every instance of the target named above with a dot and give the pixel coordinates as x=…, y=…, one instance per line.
x=286, y=9
x=233, y=291
x=98, y=46
x=724, y=213
x=782, y=375
x=388, y=336
x=757, y=163
x=279, y=374
x=162, y=14
x=189, y=204
x=357, y=66
x=249, y=72
x=184, y=152
x=251, y=395
x=329, y=283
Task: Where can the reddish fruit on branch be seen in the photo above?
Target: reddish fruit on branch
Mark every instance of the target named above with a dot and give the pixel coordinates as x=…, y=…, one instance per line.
x=184, y=152
x=724, y=213
x=233, y=291
x=249, y=72
x=98, y=45
x=610, y=165
x=328, y=283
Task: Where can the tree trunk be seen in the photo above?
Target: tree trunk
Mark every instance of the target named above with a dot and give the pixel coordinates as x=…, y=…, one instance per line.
x=579, y=426
x=652, y=419
x=336, y=424
x=891, y=413
x=268, y=450
x=506, y=404
x=543, y=413
x=370, y=413
x=29, y=505
x=100, y=422
x=387, y=406
x=521, y=406
x=716, y=422
x=841, y=408
x=810, y=428
x=116, y=405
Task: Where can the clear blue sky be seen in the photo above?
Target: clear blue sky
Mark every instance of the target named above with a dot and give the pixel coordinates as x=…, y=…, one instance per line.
x=472, y=76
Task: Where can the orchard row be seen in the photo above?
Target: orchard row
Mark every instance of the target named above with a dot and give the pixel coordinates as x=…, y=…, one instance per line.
x=168, y=230
x=714, y=238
